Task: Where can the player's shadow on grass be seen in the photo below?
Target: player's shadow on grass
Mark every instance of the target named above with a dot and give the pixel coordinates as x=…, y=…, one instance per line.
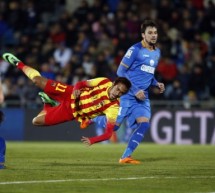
x=105, y=164
x=158, y=159
x=80, y=164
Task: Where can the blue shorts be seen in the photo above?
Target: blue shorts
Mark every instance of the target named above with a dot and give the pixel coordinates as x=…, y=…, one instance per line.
x=100, y=121
x=2, y=150
x=138, y=109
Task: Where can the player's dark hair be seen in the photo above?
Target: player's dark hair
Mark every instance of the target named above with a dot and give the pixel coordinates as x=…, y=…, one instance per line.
x=1, y=117
x=147, y=23
x=124, y=81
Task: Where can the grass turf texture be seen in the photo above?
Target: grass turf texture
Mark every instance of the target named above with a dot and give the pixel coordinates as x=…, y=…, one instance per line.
x=38, y=167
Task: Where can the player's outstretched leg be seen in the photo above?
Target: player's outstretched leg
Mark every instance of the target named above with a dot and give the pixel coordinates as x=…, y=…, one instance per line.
x=31, y=73
x=134, y=141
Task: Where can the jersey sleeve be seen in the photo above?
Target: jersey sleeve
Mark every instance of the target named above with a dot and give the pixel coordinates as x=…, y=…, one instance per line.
x=154, y=81
x=111, y=115
x=126, y=63
x=90, y=83
x=97, y=81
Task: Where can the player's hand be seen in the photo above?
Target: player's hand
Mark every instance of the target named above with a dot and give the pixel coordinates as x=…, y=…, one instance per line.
x=161, y=87
x=86, y=141
x=140, y=95
x=76, y=93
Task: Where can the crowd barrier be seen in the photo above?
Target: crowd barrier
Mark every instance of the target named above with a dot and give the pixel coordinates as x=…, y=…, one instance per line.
x=173, y=126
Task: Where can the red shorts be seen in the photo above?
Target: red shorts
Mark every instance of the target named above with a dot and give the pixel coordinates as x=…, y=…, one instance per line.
x=61, y=93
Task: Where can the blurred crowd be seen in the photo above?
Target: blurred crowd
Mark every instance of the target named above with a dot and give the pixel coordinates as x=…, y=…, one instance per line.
x=90, y=41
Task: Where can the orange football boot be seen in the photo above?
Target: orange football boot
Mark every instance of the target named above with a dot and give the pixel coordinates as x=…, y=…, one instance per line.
x=129, y=160
x=85, y=123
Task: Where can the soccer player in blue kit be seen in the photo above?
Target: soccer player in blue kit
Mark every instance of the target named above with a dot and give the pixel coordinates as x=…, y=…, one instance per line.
x=2, y=145
x=138, y=65
x=2, y=140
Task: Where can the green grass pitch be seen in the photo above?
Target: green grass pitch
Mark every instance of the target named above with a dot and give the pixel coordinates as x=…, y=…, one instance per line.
x=67, y=167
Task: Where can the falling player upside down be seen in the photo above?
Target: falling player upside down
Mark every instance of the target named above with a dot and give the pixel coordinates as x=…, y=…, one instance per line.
x=83, y=101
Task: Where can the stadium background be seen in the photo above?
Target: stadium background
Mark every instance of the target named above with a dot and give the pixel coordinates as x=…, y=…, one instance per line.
x=75, y=40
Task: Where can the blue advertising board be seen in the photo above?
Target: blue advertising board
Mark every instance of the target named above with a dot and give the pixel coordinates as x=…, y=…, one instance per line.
x=13, y=124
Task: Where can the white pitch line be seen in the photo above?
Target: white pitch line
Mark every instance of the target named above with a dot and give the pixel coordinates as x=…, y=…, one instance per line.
x=72, y=180
x=205, y=192
x=104, y=179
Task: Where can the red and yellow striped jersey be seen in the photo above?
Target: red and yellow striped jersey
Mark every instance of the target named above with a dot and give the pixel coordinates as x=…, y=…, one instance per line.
x=94, y=101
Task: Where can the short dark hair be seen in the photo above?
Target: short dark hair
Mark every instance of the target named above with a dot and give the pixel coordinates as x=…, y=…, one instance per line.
x=1, y=117
x=124, y=81
x=146, y=23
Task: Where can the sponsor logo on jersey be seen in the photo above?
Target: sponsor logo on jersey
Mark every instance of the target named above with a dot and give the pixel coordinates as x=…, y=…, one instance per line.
x=151, y=62
x=148, y=69
x=128, y=53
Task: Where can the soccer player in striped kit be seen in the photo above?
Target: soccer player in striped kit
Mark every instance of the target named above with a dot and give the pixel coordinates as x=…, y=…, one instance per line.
x=84, y=101
x=138, y=65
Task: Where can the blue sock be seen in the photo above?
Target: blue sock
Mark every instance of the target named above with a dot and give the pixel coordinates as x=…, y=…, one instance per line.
x=2, y=167
x=2, y=150
x=136, y=138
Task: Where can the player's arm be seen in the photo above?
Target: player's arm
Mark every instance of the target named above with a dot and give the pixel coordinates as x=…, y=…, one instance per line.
x=124, y=67
x=154, y=82
x=111, y=115
x=105, y=136
x=160, y=85
x=87, y=84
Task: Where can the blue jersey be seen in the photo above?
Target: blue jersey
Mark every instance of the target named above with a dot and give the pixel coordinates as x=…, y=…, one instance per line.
x=138, y=65
x=101, y=121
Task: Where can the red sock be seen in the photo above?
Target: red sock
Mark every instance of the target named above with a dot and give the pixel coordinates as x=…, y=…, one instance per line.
x=20, y=65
